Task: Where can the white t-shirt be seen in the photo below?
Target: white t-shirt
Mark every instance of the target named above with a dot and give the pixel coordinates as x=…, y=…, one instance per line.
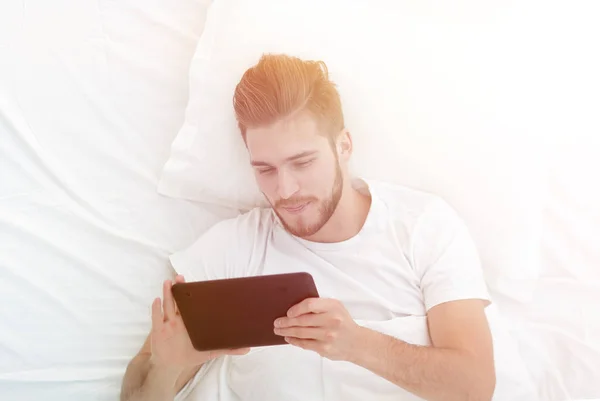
x=412, y=254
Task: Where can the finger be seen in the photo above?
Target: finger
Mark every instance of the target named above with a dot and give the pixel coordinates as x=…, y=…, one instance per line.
x=309, y=333
x=168, y=304
x=310, y=345
x=306, y=320
x=157, y=316
x=179, y=279
x=311, y=305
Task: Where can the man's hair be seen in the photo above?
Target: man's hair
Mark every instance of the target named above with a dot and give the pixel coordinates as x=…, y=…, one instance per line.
x=280, y=86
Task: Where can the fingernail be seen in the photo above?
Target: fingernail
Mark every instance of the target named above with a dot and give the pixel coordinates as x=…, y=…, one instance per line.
x=277, y=323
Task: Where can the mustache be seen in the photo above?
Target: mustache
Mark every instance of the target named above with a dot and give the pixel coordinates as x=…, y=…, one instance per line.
x=293, y=202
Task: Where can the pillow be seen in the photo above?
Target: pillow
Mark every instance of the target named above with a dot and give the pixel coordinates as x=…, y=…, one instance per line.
x=428, y=96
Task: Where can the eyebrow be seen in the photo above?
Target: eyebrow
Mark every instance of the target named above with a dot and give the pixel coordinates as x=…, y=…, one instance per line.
x=257, y=163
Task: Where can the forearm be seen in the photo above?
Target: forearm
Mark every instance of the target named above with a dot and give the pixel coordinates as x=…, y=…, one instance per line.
x=144, y=381
x=431, y=373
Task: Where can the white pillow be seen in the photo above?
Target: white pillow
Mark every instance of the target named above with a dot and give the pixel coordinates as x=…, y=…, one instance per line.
x=428, y=96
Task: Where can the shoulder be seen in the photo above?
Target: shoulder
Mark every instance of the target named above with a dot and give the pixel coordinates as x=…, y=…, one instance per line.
x=412, y=208
x=247, y=225
x=241, y=235
x=423, y=223
x=226, y=248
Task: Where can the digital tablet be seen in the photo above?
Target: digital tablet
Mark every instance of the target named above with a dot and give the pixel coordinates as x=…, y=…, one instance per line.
x=239, y=312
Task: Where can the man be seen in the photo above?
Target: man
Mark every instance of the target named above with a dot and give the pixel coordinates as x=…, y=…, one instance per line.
x=382, y=257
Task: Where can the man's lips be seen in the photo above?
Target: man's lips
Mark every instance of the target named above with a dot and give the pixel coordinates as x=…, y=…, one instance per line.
x=295, y=209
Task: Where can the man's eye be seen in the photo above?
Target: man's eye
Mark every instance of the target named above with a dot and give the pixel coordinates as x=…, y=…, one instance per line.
x=304, y=163
x=265, y=170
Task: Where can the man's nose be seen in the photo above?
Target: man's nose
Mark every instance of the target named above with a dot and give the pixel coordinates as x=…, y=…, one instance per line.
x=286, y=185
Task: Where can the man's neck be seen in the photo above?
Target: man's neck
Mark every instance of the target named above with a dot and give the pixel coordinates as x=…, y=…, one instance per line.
x=347, y=220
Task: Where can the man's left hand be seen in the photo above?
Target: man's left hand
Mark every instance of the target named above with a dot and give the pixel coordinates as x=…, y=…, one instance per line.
x=322, y=325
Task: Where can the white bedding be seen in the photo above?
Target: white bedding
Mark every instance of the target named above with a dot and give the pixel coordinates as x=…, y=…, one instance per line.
x=92, y=92
x=559, y=331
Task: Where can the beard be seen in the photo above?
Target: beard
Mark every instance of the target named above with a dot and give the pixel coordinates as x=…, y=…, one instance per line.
x=325, y=209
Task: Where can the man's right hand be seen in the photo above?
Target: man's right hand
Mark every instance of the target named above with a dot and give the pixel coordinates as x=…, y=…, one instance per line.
x=170, y=343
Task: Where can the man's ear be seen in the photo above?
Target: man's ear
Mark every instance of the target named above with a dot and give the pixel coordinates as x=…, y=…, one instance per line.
x=344, y=145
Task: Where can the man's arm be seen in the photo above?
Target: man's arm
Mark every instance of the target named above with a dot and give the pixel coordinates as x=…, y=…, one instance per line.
x=146, y=381
x=459, y=365
x=167, y=360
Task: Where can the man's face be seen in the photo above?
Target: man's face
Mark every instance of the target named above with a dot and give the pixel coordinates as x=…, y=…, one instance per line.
x=298, y=172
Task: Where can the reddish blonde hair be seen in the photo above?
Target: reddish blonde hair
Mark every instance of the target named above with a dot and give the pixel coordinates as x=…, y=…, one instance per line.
x=280, y=86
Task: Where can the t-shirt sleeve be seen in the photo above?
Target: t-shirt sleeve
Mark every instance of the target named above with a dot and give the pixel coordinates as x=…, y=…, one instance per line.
x=445, y=257
x=216, y=254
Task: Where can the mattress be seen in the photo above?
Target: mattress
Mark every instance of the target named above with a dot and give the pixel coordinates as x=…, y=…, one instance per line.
x=92, y=94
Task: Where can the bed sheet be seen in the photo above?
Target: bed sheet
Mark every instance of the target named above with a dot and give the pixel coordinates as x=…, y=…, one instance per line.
x=92, y=92
x=558, y=333
x=91, y=95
